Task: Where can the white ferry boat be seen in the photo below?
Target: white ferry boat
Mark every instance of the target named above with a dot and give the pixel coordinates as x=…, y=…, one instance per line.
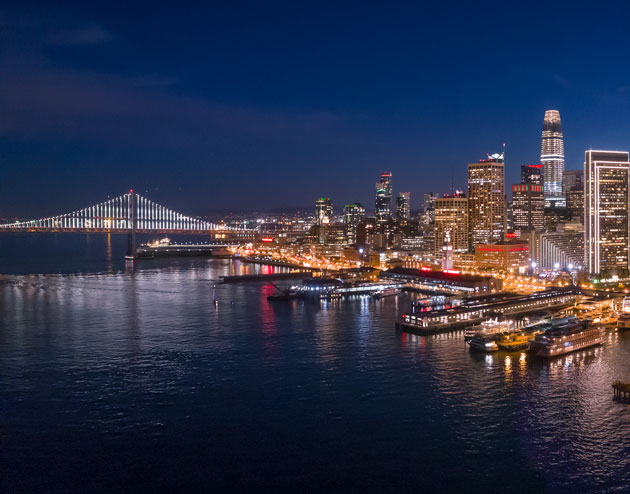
x=490, y=327
x=565, y=338
x=484, y=342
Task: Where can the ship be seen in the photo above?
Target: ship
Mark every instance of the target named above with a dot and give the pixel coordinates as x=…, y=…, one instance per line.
x=514, y=341
x=623, y=321
x=387, y=292
x=567, y=337
x=491, y=326
x=484, y=342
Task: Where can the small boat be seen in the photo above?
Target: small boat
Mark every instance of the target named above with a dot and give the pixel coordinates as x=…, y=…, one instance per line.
x=484, y=343
x=387, y=292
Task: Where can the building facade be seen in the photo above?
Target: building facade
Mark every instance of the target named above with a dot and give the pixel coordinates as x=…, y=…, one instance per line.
x=353, y=215
x=403, y=206
x=606, y=202
x=552, y=157
x=451, y=216
x=571, y=179
x=528, y=207
x=512, y=255
x=487, y=211
x=323, y=211
x=383, y=202
x=532, y=174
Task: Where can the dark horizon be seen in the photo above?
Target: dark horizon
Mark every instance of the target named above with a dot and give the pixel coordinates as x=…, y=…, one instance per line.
x=250, y=107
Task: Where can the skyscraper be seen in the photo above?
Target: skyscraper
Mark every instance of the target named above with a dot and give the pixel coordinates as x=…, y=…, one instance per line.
x=383, y=202
x=323, y=211
x=606, y=189
x=403, y=206
x=487, y=212
x=353, y=214
x=451, y=217
x=532, y=174
x=528, y=206
x=552, y=157
x=571, y=179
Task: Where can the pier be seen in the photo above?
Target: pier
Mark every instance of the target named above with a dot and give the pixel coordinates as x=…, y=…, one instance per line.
x=267, y=277
x=621, y=391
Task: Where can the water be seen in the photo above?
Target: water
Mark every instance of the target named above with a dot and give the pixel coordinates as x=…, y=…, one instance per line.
x=119, y=378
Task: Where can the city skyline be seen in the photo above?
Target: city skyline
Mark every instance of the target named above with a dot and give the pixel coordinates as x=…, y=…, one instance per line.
x=155, y=114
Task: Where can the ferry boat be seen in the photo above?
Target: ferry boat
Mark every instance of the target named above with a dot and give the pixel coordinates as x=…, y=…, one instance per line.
x=623, y=321
x=514, y=341
x=565, y=338
x=490, y=327
x=484, y=342
x=387, y=292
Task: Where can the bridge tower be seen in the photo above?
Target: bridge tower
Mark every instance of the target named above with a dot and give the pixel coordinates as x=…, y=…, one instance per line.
x=132, y=222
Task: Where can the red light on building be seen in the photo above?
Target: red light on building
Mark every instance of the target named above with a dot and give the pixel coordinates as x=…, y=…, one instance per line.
x=266, y=239
x=425, y=268
x=450, y=271
x=510, y=235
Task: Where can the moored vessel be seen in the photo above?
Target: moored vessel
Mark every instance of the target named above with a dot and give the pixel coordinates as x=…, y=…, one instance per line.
x=565, y=338
x=484, y=342
x=490, y=327
x=513, y=341
x=623, y=321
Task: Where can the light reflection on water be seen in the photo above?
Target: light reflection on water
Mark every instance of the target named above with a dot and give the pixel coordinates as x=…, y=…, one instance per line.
x=100, y=371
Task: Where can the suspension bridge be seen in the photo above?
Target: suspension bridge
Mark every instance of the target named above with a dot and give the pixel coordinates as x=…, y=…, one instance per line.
x=129, y=214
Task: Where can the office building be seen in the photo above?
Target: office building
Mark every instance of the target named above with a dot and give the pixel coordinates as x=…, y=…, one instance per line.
x=528, y=207
x=571, y=179
x=487, y=213
x=353, y=215
x=451, y=216
x=606, y=189
x=428, y=208
x=383, y=202
x=510, y=255
x=532, y=174
x=552, y=157
x=575, y=203
x=323, y=211
x=403, y=206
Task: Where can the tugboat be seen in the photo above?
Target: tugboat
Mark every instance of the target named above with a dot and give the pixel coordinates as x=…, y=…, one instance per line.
x=623, y=322
x=565, y=338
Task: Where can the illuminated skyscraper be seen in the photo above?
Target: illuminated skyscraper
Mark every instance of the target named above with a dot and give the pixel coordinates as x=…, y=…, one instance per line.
x=528, y=206
x=552, y=157
x=403, y=206
x=383, y=203
x=323, y=211
x=353, y=214
x=451, y=217
x=487, y=212
x=606, y=189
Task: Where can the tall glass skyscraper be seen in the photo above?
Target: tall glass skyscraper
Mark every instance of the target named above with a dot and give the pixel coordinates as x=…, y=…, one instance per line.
x=383, y=203
x=552, y=158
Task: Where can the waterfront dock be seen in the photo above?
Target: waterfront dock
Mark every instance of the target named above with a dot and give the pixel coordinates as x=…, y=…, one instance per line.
x=621, y=391
x=267, y=277
x=474, y=310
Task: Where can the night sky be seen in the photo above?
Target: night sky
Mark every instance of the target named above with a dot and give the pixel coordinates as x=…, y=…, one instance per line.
x=250, y=106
